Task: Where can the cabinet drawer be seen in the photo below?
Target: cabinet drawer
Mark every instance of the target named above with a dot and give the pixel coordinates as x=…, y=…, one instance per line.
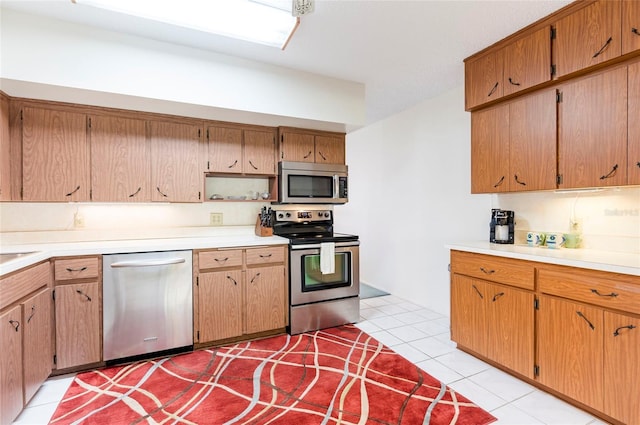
x=496, y=269
x=76, y=268
x=16, y=286
x=219, y=259
x=265, y=255
x=621, y=292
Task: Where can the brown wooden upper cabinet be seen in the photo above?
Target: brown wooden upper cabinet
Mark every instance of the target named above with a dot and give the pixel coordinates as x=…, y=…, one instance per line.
x=523, y=63
x=119, y=160
x=311, y=146
x=239, y=150
x=513, y=146
x=630, y=26
x=55, y=155
x=587, y=37
x=5, y=150
x=593, y=130
x=177, y=161
x=633, y=171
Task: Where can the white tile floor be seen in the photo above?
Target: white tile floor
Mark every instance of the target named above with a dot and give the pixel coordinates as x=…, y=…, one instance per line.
x=421, y=336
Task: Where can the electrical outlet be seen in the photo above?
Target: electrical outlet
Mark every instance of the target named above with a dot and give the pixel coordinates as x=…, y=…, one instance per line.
x=215, y=219
x=575, y=225
x=78, y=220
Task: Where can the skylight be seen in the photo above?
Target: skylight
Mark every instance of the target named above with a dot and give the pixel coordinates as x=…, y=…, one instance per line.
x=268, y=22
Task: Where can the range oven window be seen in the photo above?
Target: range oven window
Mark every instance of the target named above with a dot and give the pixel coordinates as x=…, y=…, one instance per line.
x=314, y=280
x=305, y=186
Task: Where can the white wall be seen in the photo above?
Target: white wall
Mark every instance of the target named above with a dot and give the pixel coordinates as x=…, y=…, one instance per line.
x=410, y=196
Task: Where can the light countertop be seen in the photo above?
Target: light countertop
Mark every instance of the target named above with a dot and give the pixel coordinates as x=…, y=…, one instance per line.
x=609, y=261
x=44, y=245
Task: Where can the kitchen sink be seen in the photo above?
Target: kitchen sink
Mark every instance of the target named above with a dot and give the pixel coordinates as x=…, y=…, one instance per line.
x=5, y=257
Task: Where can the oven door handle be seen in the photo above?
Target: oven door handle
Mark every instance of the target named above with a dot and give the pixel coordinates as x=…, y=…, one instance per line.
x=317, y=245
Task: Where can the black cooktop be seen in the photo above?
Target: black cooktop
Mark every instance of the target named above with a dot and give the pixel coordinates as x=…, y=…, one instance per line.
x=300, y=239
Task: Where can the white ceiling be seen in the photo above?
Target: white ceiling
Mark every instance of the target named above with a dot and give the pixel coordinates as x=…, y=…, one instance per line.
x=403, y=51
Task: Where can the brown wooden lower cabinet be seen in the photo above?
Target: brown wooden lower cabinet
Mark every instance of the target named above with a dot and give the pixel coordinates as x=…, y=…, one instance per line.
x=580, y=341
x=11, y=401
x=220, y=299
x=264, y=298
x=38, y=353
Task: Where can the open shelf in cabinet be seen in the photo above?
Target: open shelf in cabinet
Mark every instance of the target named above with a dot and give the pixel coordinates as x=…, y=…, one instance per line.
x=238, y=185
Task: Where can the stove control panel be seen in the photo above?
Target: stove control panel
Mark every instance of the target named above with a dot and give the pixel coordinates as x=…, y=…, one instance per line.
x=303, y=215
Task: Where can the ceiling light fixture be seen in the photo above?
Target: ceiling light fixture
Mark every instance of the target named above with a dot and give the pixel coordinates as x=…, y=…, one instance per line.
x=268, y=22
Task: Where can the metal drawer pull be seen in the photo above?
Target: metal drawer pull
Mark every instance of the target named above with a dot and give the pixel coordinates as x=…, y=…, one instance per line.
x=478, y=292
x=606, y=44
x=265, y=256
x=233, y=280
x=85, y=295
x=221, y=260
x=579, y=313
x=81, y=269
x=15, y=324
x=498, y=295
x=485, y=271
x=33, y=312
x=617, y=332
x=493, y=89
x=255, y=277
x=147, y=263
x=73, y=191
x=595, y=291
x=499, y=182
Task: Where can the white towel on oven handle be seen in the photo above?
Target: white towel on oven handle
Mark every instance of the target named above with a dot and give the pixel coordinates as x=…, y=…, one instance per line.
x=327, y=257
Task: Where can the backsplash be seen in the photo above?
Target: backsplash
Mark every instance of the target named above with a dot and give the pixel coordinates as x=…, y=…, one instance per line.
x=610, y=219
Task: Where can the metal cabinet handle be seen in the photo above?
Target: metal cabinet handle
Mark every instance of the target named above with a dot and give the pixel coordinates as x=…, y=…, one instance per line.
x=255, y=277
x=611, y=173
x=612, y=295
x=15, y=324
x=493, y=89
x=308, y=155
x=73, y=191
x=234, y=164
x=579, y=313
x=232, y=280
x=499, y=182
x=617, y=331
x=518, y=181
x=513, y=82
x=602, y=49
x=485, y=271
x=478, y=291
x=496, y=296
x=324, y=158
x=160, y=192
x=635, y=31
x=81, y=269
x=136, y=192
x=33, y=312
x=251, y=163
x=83, y=294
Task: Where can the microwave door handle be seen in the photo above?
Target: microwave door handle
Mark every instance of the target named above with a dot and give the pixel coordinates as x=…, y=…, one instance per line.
x=335, y=186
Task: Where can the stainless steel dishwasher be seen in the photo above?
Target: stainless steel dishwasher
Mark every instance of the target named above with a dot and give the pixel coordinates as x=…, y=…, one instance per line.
x=147, y=303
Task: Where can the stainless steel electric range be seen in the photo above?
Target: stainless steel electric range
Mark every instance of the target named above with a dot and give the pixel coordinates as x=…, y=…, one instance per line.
x=323, y=292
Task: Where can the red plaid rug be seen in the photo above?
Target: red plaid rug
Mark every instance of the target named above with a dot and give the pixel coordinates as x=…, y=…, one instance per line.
x=333, y=376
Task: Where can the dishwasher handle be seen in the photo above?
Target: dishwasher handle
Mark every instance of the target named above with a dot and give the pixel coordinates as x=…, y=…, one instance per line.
x=148, y=263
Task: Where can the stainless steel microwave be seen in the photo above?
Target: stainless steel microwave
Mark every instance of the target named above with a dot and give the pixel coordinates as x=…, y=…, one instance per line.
x=311, y=183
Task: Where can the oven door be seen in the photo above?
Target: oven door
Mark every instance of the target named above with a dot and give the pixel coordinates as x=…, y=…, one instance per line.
x=309, y=285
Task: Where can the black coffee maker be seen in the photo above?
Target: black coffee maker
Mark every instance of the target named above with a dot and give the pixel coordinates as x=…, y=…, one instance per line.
x=502, y=223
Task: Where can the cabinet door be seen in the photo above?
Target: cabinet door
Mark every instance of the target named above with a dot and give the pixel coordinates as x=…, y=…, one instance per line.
x=510, y=318
x=55, y=156
x=588, y=37
x=630, y=26
x=593, y=131
x=532, y=142
x=490, y=150
x=483, y=79
x=220, y=305
x=176, y=162
x=5, y=150
x=634, y=124
x=621, y=367
x=297, y=147
x=527, y=62
x=11, y=365
x=119, y=160
x=77, y=324
x=225, y=149
x=330, y=150
x=259, y=152
x=265, y=303
x=38, y=356
x=468, y=313
x=570, y=349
